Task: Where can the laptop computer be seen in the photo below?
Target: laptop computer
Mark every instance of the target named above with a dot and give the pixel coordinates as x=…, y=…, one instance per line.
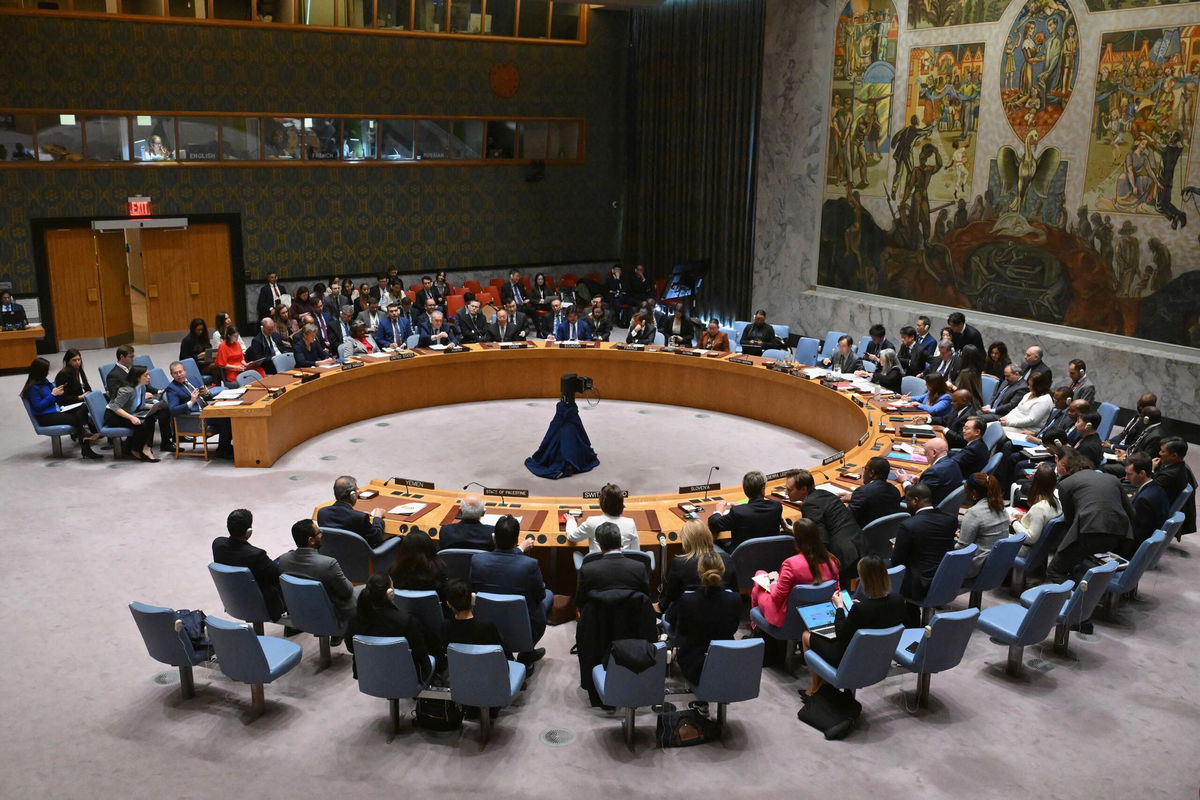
x=819, y=618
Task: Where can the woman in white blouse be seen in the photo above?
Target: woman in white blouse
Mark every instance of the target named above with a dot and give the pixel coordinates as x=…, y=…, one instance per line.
x=612, y=505
x=1033, y=410
x=1043, y=504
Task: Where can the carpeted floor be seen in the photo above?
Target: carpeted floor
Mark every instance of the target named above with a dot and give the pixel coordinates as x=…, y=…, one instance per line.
x=85, y=714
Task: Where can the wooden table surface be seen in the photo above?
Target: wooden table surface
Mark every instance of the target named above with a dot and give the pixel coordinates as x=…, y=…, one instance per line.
x=19, y=348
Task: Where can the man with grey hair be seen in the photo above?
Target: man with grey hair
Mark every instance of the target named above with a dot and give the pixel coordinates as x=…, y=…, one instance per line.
x=945, y=362
x=469, y=532
x=1034, y=363
x=435, y=331
x=342, y=514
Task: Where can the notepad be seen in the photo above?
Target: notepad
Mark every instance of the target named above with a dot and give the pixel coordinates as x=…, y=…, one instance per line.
x=407, y=508
x=226, y=403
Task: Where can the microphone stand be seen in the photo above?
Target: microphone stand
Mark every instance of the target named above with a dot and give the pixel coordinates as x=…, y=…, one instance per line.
x=708, y=480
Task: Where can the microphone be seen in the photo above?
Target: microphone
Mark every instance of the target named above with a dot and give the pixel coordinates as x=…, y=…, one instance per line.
x=708, y=480
x=474, y=483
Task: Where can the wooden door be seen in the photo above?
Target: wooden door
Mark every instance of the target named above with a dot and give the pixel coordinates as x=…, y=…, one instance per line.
x=75, y=287
x=165, y=262
x=114, y=287
x=210, y=271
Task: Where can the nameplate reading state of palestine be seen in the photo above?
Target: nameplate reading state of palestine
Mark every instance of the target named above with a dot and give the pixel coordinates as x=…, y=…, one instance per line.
x=506, y=492
x=414, y=484
x=838, y=456
x=699, y=487
x=594, y=494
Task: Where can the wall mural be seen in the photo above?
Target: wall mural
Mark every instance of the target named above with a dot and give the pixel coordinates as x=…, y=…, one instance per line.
x=1115, y=258
x=1121, y=5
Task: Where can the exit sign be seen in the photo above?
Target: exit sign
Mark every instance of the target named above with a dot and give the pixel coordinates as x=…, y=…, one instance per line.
x=138, y=206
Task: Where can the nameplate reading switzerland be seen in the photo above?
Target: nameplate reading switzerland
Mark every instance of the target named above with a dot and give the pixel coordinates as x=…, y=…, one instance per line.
x=594, y=494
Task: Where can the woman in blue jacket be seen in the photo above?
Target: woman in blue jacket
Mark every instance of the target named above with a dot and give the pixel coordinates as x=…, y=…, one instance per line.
x=42, y=397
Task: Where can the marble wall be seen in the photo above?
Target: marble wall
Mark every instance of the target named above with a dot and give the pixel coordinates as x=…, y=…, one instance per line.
x=798, y=74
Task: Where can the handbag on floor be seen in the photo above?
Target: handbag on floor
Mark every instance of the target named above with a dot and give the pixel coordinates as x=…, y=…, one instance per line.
x=434, y=714
x=831, y=711
x=686, y=728
x=561, y=610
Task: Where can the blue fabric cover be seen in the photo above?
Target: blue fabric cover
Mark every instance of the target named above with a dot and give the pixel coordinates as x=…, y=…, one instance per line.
x=566, y=449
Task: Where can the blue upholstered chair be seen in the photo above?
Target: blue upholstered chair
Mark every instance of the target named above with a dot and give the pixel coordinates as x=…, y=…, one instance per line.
x=947, y=581
x=895, y=576
x=992, y=464
x=993, y=434
x=1018, y=627
x=880, y=532
x=240, y=595
x=482, y=677
x=193, y=371
x=311, y=610
x=458, y=562
x=358, y=559
x=412, y=341
x=167, y=643
x=765, y=553
x=1082, y=602
x=385, y=669
x=1039, y=553
x=1127, y=579
x=248, y=658
x=158, y=379
x=912, y=385
x=510, y=613
x=1170, y=528
x=95, y=403
x=617, y=686
x=952, y=502
x=104, y=369
x=734, y=346
x=144, y=361
x=995, y=567
x=284, y=362
x=793, y=625
x=989, y=385
x=1177, y=506
x=829, y=346
x=247, y=377
x=739, y=325
x=424, y=606
x=731, y=674
x=867, y=660
x=55, y=432
x=1108, y=416
x=782, y=331
x=940, y=646
x=806, y=351
x=776, y=354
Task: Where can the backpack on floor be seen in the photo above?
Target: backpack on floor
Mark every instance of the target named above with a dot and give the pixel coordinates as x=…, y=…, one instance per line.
x=831, y=711
x=686, y=728
x=434, y=714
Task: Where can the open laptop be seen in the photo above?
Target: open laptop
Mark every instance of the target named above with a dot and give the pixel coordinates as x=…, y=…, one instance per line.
x=819, y=618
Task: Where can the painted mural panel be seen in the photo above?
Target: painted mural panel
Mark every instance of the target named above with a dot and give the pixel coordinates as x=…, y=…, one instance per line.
x=1128, y=5
x=861, y=106
x=1041, y=60
x=944, y=13
x=943, y=97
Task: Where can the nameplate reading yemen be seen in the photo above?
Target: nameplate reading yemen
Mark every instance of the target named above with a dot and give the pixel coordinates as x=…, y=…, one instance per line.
x=594, y=494
x=415, y=484
x=506, y=492
x=699, y=487
x=838, y=456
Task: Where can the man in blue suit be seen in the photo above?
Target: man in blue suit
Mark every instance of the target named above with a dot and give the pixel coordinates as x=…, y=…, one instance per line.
x=393, y=330
x=435, y=331
x=184, y=398
x=507, y=570
x=1150, y=500
x=974, y=454
x=942, y=476
x=573, y=329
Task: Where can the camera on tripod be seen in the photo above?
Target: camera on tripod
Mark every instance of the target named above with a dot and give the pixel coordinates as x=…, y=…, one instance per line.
x=571, y=385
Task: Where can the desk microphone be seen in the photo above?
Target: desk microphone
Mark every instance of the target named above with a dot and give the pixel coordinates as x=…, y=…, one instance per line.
x=474, y=483
x=708, y=480
x=407, y=490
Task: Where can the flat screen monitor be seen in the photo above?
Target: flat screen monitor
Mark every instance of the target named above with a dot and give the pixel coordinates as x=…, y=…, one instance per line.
x=685, y=280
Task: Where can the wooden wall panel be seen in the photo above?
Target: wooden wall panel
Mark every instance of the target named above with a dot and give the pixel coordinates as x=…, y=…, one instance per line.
x=210, y=269
x=114, y=287
x=165, y=260
x=74, y=287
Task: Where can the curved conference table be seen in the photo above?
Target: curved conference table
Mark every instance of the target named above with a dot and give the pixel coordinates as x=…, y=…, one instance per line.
x=284, y=410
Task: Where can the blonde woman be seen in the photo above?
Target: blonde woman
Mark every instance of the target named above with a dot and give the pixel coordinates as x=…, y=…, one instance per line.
x=684, y=573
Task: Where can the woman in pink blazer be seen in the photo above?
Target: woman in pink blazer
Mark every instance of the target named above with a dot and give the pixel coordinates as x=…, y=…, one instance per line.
x=811, y=564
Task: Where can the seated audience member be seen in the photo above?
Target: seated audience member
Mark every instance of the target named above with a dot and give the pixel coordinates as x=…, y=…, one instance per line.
x=1131, y=432
x=221, y=325
x=843, y=359
x=370, y=318
x=1149, y=439
x=183, y=398
x=344, y=299
x=709, y=613
x=463, y=627
x=1034, y=364
x=472, y=325
x=1096, y=512
x=285, y=326
x=411, y=313
x=1172, y=474
x=380, y=289
x=393, y=330
x=1034, y=408
x=881, y=609
x=888, y=373
x=342, y=513
x=327, y=331
x=922, y=540
x=811, y=565
x=301, y=302
x=908, y=348
x=573, y=329
x=962, y=333
x=969, y=379
x=514, y=290
x=945, y=361
x=925, y=340
x=1087, y=440
x=1008, y=393
x=986, y=521
x=549, y=323
x=641, y=329
x=267, y=344
x=232, y=359
x=1081, y=385
x=973, y=455
x=307, y=562
x=713, y=338
x=876, y=497
x=118, y=376
x=841, y=534
x=428, y=292
x=468, y=533
x=877, y=341
x=1150, y=503
x=310, y=351
x=44, y=401
x=759, y=336
x=508, y=570
x=235, y=550
x=950, y=425
x=612, y=506
x=129, y=410
x=942, y=476
x=683, y=573
x=1043, y=504
x=11, y=312
x=995, y=362
x=540, y=291
x=755, y=518
x=1059, y=422
x=74, y=381
x=503, y=329
x=679, y=330
x=417, y=567
x=612, y=570
x=360, y=342
x=376, y=615
x=197, y=341
x=436, y=332
x=599, y=321
x=936, y=400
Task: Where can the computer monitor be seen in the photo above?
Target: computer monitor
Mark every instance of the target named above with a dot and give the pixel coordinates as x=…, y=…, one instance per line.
x=685, y=280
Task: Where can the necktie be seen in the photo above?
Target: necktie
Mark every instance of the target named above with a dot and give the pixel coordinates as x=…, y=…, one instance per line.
x=200, y=401
x=572, y=330
x=324, y=331
x=517, y=294
x=503, y=328
x=275, y=290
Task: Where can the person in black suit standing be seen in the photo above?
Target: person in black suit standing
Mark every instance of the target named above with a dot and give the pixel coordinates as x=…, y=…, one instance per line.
x=618, y=298
x=922, y=540
x=1097, y=514
x=342, y=514
x=754, y=519
x=271, y=293
x=235, y=550
x=515, y=291
x=974, y=454
x=266, y=345
x=508, y=570
x=841, y=533
x=963, y=334
x=469, y=533
x=612, y=570
x=876, y=497
x=429, y=292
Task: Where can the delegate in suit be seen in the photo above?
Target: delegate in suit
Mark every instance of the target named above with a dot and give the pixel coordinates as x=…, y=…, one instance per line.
x=235, y=550
x=756, y=518
x=507, y=570
x=342, y=514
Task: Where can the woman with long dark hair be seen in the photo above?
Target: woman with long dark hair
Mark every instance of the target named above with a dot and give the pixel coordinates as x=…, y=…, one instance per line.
x=45, y=401
x=377, y=615
x=812, y=564
x=1043, y=503
x=122, y=412
x=72, y=378
x=986, y=521
x=196, y=342
x=417, y=566
x=997, y=359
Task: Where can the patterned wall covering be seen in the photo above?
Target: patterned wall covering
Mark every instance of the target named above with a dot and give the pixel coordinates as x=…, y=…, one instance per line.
x=304, y=220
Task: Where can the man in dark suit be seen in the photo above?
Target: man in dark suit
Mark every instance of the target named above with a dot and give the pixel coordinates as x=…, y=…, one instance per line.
x=974, y=454
x=503, y=330
x=841, y=534
x=549, y=323
x=573, y=329
x=756, y=518
x=962, y=333
x=380, y=288
x=876, y=497
x=945, y=362
x=843, y=359
x=908, y=349
x=508, y=570
x=235, y=550
x=515, y=291
x=618, y=298
x=306, y=562
x=1173, y=475
x=612, y=570
x=342, y=514
x=950, y=426
x=326, y=326
x=409, y=312
x=435, y=331
x=1060, y=421
x=1149, y=439
x=468, y=533
x=427, y=309
x=11, y=312
x=876, y=340
x=183, y=398
x=516, y=317
x=1081, y=385
x=922, y=540
x=942, y=476
x=472, y=325
x=925, y=340
x=269, y=295
x=1149, y=502
x=119, y=374
x=1087, y=442
x=427, y=293
x=393, y=330
x=1008, y=394
x=1097, y=513
x=1033, y=363
x=1133, y=429
x=267, y=344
